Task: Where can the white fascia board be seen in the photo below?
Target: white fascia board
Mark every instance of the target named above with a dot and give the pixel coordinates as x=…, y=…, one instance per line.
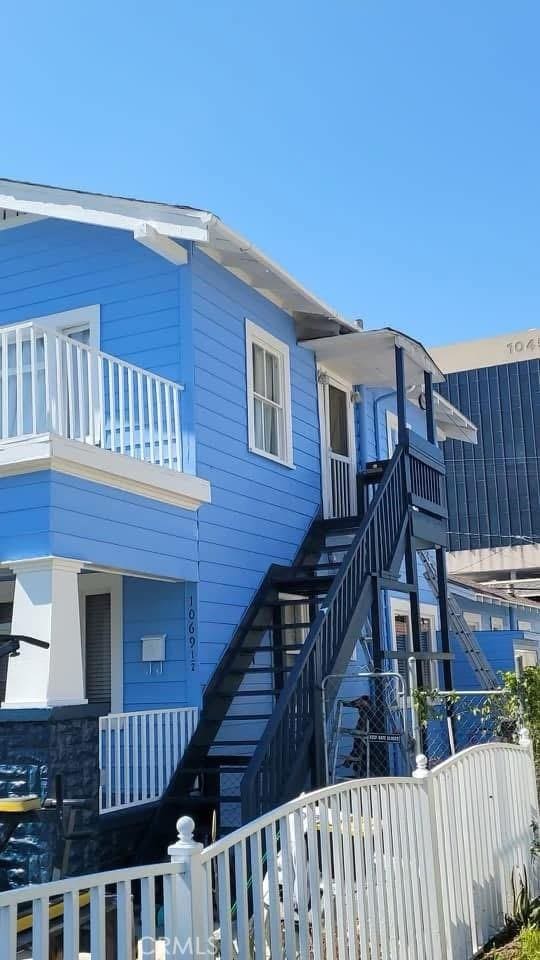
x=73, y=458
x=163, y=246
x=226, y=244
x=104, y=211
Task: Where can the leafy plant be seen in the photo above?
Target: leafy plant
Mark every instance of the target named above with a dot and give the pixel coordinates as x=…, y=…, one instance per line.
x=524, y=702
x=525, y=909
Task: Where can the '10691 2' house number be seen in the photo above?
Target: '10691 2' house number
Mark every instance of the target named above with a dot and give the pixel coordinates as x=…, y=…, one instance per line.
x=522, y=346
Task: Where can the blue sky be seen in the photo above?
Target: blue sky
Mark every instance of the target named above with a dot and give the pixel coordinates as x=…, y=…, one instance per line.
x=386, y=153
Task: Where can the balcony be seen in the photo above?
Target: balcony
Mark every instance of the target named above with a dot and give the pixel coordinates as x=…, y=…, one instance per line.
x=62, y=400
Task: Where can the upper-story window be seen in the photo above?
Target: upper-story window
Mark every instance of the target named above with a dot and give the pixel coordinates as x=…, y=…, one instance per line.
x=269, y=395
x=473, y=620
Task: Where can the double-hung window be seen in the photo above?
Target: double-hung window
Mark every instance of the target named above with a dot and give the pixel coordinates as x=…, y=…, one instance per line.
x=269, y=395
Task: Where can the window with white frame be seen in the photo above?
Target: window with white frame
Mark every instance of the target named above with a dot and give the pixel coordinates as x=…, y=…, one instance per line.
x=473, y=620
x=402, y=639
x=525, y=658
x=497, y=623
x=524, y=625
x=269, y=395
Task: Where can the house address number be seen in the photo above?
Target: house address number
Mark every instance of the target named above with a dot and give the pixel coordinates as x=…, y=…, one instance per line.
x=192, y=631
x=524, y=346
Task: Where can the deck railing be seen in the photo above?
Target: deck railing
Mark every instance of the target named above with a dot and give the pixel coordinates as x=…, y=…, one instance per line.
x=51, y=383
x=417, y=868
x=138, y=753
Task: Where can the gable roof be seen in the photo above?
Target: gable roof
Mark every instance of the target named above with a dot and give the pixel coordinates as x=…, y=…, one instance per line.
x=174, y=222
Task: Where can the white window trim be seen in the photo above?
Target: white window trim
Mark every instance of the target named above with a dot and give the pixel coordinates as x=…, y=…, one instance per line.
x=72, y=320
x=497, y=623
x=525, y=626
x=428, y=611
x=256, y=334
x=92, y=583
x=525, y=653
x=472, y=619
x=392, y=425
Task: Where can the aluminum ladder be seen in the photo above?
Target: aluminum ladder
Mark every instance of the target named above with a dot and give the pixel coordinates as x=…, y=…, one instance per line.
x=474, y=653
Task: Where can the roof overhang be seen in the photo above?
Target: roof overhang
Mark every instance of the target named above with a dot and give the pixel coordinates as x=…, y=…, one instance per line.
x=155, y=224
x=451, y=422
x=368, y=357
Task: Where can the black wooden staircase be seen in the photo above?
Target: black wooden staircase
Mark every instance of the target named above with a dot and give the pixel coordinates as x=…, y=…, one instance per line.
x=259, y=738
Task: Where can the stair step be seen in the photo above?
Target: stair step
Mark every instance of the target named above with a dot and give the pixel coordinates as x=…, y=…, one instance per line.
x=278, y=647
x=227, y=743
x=339, y=524
x=309, y=585
x=247, y=693
x=288, y=603
x=281, y=627
x=250, y=670
x=248, y=716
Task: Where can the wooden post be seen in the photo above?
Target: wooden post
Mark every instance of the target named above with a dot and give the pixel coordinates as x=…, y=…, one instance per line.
x=442, y=590
x=430, y=413
x=401, y=394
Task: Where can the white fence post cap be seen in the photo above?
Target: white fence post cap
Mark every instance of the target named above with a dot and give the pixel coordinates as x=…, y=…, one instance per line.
x=185, y=846
x=421, y=771
x=524, y=738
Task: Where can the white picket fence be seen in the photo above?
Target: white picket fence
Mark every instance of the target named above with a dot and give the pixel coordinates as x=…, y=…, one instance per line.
x=53, y=383
x=138, y=753
x=399, y=869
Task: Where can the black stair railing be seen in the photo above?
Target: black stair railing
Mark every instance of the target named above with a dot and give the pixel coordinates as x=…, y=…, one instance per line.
x=289, y=732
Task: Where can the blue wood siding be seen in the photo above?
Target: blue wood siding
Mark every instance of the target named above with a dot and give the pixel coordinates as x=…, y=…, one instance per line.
x=25, y=507
x=260, y=510
x=152, y=607
x=104, y=526
x=49, y=513
x=53, y=265
x=498, y=646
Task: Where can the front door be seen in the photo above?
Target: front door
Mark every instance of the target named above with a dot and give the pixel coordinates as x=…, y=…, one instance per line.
x=338, y=447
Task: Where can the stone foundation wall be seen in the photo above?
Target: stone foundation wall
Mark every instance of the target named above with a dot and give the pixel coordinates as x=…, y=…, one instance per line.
x=35, y=746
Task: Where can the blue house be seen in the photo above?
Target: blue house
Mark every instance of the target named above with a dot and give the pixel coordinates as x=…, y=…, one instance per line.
x=210, y=483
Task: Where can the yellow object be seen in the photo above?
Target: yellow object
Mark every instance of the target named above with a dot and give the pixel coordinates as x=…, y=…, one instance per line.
x=19, y=804
x=55, y=910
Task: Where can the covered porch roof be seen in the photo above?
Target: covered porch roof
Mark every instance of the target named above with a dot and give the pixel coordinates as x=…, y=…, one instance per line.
x=367, y=357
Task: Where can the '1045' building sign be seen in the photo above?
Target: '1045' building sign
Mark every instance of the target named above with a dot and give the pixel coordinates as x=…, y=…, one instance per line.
x=531, y=345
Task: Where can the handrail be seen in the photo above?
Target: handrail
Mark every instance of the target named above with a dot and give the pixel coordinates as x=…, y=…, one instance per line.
x=51, y=383
x=371, y=551
x=138, y=753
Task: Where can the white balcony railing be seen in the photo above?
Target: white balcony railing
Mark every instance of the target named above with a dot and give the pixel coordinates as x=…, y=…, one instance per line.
x=138, y=753
x=50, y=383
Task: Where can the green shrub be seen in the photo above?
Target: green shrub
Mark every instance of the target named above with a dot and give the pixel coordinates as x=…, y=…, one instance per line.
x=529, y=944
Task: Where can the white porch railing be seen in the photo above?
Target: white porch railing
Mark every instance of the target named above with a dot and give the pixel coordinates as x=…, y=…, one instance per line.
x=138, y=753
x=50, y=383
x=403, y=869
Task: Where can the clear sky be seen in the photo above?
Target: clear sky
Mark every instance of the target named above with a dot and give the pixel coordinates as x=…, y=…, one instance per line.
x=385, y=152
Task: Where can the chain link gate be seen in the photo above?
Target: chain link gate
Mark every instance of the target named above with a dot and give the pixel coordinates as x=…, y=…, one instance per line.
x=366, y=726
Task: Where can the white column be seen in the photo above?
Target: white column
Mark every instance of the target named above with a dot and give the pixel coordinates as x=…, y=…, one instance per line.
x=46, y=606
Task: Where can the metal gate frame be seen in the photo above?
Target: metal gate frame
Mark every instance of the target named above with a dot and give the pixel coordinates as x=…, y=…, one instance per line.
x=362, y=675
